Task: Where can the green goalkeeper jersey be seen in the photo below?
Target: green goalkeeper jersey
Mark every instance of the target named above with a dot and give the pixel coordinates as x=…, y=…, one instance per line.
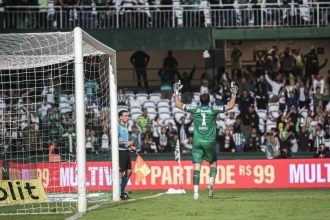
x=204, y=121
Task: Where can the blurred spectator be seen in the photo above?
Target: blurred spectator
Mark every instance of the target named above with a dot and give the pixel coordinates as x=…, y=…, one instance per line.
x=163, y=140
x=14, y=138
x=187, y=145
x=170, y=64
x=260, y=64
x=178, y=11
x=275, y=86
x=291, y=100
x=90, y=141
x=143, y=123
x=261, y=93
x=230, y=121
x=288, y=63
x=69, y=141
x=156, y=130
x=299, y=60
x=302, y=139
x=244, y=102
x=227, y=143
x=204, y=88
x=121, y=97
x=238, y=137
x=91, y=89
x=317, y=98
x=134, y=137
x=70, y=12
x=286, y=132
x=105, y=141
x=318, y=137
x=303, y=95
x=205, y=7
x=236, y=64
x=149, y=145
x=44, y=107
x=253, y=142
x=312, y=65
x=186, y=96
x=318, y=81
x=183, y=127
x=272, y=145
x=140, y=60
x=166, y=83
x=243, y=85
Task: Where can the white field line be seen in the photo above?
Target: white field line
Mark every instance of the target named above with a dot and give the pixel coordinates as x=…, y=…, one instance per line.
x=96, y=206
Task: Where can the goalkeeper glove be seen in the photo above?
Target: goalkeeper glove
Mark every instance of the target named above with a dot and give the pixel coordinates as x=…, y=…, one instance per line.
x=233, y=88
x=177, y=87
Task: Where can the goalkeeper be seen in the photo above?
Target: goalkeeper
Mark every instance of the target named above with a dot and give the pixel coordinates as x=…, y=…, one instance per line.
x=204, y=118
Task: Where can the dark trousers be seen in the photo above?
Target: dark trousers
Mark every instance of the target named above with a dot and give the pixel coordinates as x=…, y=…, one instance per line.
x=142, y=72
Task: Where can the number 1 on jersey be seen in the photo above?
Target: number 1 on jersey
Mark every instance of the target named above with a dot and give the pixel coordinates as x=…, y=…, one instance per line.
x=204, y=117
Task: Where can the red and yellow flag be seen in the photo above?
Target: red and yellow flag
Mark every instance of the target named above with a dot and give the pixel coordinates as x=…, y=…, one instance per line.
x=141, y=169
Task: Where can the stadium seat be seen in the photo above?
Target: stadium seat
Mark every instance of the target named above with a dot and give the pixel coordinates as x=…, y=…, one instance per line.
x=164, y=109
x=134, y=115
x=262, y=114
x=163, y=102
x=135, y=110
x=270, y=125
x=151, y=110
x=122, y=107
x=175, y=110
x=273, y=107
x=155, y=97
x=274, y=114
x=165, y=115
x=148, y=104
x=178, y=115
x=141, y=98
x=152, y=115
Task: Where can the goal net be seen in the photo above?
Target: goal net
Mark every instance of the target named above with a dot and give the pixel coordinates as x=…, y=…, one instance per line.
x=55, y=122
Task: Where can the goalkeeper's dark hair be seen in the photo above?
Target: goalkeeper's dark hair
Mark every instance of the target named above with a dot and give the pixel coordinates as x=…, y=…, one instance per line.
x=204, y=98
x=121, y=113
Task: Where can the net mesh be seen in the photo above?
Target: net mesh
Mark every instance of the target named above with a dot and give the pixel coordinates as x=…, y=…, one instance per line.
x=37, y=122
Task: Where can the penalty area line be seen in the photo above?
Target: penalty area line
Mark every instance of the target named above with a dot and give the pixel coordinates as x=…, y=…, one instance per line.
x=96, y=206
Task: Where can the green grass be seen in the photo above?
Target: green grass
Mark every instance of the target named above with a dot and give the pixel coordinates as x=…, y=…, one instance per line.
x=243, y=204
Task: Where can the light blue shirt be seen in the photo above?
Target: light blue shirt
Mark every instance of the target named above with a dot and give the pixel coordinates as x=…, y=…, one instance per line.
x=122, y=136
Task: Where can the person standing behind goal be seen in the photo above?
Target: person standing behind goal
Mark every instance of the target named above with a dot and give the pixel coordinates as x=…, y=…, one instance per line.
x=204, y=118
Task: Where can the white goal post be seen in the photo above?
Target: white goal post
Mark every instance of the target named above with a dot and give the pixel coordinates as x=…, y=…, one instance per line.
x=51, y=84
x=79, y=36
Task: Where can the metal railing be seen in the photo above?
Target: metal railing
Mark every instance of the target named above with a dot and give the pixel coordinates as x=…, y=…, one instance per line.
x=187, y=16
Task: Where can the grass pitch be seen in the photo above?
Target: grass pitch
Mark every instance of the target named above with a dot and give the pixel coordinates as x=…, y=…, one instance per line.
x=246, y=204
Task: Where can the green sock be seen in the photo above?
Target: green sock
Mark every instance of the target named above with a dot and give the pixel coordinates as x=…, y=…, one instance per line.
x=213, y=173
x=196, y=177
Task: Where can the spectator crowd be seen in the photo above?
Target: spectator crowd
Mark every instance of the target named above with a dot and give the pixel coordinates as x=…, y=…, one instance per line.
x=282, y=107
x=163, y=13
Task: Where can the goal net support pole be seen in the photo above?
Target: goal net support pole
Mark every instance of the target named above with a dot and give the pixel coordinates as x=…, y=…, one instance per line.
x=80, y=116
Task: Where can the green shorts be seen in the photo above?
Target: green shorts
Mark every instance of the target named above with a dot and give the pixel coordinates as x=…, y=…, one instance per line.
x=204, y=151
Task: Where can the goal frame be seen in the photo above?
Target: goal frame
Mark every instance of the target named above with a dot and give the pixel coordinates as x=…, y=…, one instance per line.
x=79, y=37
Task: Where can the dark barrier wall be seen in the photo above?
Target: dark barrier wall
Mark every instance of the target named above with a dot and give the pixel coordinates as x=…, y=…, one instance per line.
x=190, y=39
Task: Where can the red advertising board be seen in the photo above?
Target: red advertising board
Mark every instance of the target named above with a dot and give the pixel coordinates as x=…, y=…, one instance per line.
x=290, y=173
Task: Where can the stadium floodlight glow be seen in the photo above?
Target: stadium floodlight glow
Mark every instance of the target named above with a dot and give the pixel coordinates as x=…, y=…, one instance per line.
x=55, y=92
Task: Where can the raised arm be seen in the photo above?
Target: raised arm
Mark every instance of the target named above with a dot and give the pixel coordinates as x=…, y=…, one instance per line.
x=176, y=88
x=234, y=90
